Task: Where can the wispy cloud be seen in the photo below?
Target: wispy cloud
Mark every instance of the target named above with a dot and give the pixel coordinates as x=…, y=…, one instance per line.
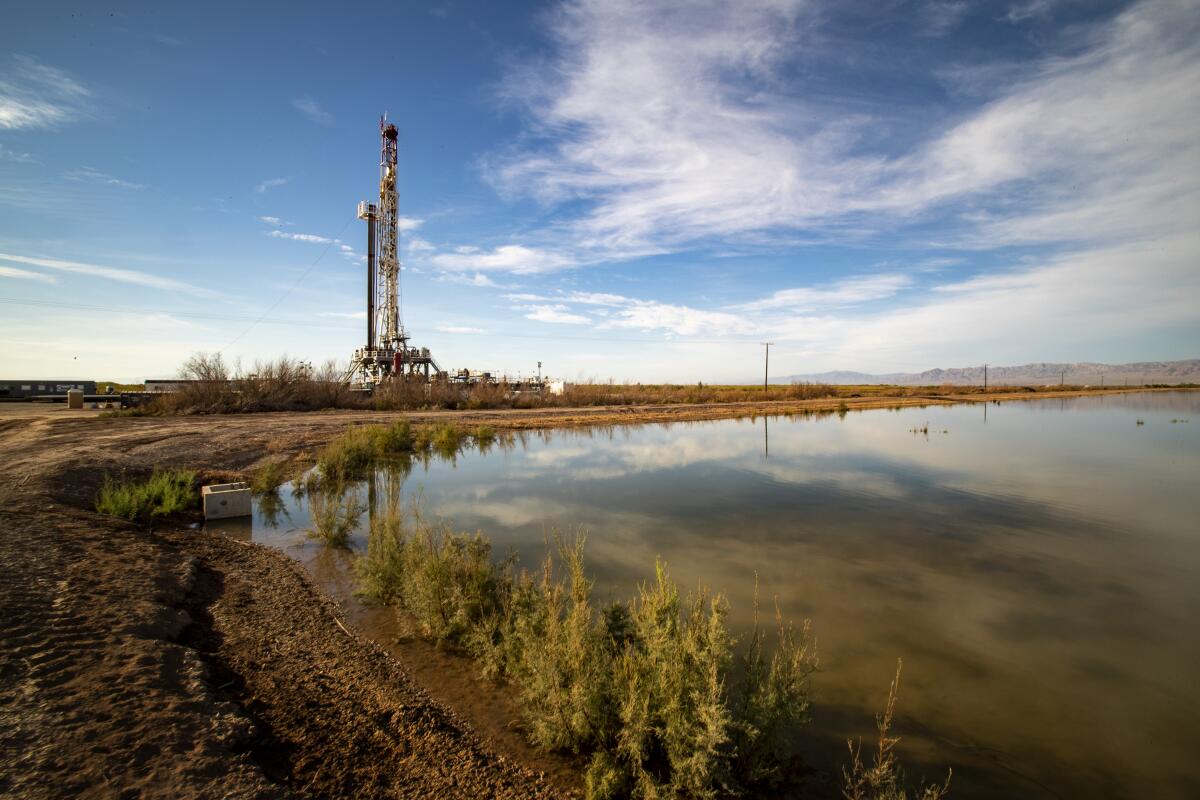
x=131, y=276
x=672, y=127
x=617, y=311
x=513, y=258
x=940, y=17
x=557, y=314
x=33, y=95
x=91, y=175
x=274, y=221
x=405, y=224
x=460, y=329
x=1028, y=9
x=311, y=109
x=271, y=183
x=852, y=291
x=7, y=154
x=311, y=238
x=478, y=279
x=26, y=275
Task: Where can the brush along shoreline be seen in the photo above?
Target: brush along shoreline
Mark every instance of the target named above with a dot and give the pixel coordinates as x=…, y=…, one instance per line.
x=152, y=659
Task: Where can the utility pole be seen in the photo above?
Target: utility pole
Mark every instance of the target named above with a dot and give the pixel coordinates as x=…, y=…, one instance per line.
x=1062, y=378
x=539, y=372
x=985, y=377
x=766, y=364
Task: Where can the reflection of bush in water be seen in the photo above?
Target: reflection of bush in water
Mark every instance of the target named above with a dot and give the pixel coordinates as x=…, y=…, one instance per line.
x=652, y=690
x=353, y=453
x=272, y=507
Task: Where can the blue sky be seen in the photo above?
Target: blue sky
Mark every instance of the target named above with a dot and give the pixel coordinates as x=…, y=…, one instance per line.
x=624, y=190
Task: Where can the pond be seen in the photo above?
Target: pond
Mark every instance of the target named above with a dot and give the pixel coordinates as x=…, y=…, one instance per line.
x=1035, y=564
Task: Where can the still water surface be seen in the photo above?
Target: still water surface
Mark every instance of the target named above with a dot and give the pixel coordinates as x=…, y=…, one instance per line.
x=1035, y=564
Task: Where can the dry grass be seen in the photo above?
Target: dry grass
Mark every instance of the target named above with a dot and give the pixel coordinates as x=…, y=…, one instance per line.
x=884, y=779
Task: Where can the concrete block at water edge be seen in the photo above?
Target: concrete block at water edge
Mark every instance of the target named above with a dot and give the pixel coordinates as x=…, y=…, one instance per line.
x=224, y=500
x=74, y=398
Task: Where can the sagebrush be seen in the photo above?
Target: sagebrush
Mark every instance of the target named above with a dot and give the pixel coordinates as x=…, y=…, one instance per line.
x=165, y=492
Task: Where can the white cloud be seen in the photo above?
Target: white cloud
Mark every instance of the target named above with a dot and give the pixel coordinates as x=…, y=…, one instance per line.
x=274, y=221
x=460, y=329
x=478, y=279
x=111, y=273
x=90, y=175
x=555, y=314
x=271, y=183
x=311, y=109
x=311, y=238
x=618, y=311
x=405, y=224
x=24, y=274
x=33, y=95
x=508, y=258
x=851, y=291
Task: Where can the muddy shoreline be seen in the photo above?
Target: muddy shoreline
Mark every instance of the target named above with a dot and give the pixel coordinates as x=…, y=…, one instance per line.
x=183, y=664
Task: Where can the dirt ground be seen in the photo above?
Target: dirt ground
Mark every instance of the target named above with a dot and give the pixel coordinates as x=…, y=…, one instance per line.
x=174, y=663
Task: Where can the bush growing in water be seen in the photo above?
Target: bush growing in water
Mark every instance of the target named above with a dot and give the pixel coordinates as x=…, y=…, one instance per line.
x=165, y=492
x=646, y=689
x=335, y=512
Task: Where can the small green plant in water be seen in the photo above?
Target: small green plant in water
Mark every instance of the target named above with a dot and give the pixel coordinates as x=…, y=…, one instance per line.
x=165, y=492
x=335, y=512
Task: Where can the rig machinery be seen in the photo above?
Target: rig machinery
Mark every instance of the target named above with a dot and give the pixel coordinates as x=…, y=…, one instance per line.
x=387, y=355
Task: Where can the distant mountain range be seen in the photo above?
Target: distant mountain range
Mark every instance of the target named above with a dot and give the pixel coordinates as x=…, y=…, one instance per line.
x=1083, y=372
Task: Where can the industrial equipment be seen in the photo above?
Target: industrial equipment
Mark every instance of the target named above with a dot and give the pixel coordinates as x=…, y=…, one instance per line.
x=387, y=355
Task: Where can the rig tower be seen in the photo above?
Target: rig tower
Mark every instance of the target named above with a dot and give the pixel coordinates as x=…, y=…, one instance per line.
x=387, y=354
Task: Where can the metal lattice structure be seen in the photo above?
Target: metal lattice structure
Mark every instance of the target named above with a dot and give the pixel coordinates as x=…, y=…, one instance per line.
x=387, y=354
x=390, y=332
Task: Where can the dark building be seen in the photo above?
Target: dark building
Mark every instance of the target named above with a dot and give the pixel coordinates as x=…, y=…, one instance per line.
x=37, y=388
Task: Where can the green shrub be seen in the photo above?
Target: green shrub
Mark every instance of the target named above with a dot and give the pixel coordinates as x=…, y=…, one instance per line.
x=268, y=477
x=165, y=492
x=352, y=453
x=335, y=512
x=643, y=688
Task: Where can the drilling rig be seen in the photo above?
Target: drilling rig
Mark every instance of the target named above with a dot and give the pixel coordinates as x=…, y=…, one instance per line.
x=387, y=355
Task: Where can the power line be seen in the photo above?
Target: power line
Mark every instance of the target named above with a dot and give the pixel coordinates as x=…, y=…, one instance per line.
x=292, y=288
